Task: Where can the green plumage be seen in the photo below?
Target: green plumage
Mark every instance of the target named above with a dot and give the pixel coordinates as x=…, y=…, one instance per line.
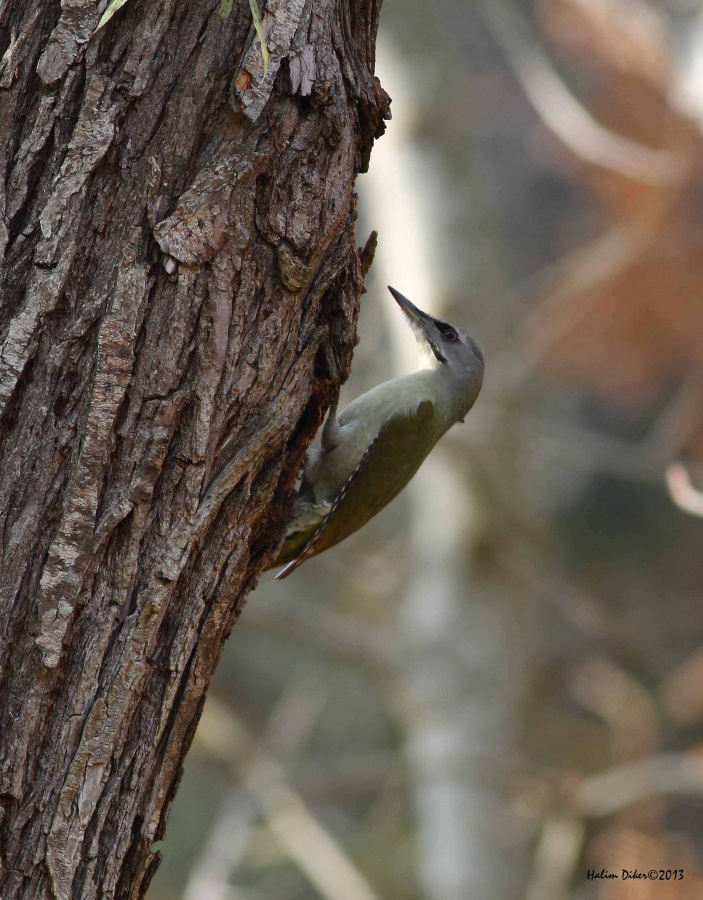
x=371, y=452
x=388, y=464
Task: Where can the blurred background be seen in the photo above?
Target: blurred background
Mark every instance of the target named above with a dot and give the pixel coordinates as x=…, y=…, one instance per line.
x=497, y=685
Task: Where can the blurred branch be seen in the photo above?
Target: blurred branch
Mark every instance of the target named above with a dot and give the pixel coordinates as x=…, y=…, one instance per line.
x=561, y=287
x=573, y=278
x=293, y=718
x=562, y=113
x=288, y=726
x=225, y=845
x=665, y=773
x=561, y=840
x=622, y=702
x=678, y=422
x=310, y=846
x=681, y=692
x=556, y=857
x=682, y=492
x=350, y=775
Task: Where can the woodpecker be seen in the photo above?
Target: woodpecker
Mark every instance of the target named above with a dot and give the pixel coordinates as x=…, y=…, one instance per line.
x=371, y=451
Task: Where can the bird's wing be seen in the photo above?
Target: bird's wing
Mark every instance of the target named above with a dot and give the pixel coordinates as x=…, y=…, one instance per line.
x=388, y=464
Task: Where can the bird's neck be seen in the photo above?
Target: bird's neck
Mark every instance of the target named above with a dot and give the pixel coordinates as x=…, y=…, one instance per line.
x=453, y=395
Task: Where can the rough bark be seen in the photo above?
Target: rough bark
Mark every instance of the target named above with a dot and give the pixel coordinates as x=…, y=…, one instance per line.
x=178, y=272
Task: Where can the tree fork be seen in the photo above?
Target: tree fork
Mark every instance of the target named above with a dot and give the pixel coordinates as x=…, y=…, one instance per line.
x=177, y=244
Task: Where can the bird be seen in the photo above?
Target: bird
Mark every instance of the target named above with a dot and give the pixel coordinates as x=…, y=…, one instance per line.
x=374, y=447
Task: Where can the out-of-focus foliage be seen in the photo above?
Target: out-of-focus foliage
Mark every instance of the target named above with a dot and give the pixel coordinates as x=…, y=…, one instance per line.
x=497, y=685
x=648, y=289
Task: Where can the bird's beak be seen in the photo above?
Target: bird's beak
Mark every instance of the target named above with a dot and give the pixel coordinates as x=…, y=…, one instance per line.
x=416, y=316
x=424, y=327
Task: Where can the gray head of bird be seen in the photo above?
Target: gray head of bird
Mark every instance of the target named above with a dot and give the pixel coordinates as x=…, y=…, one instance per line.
x=445, y=348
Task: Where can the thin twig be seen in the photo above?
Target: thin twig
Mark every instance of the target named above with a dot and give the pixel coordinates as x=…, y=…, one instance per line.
x=307, y=843
x=682, y=492
x=556, y=858
x=226, y=843
x=562, y=113
x=665, y=773
x=288, y=726
x=678, y=421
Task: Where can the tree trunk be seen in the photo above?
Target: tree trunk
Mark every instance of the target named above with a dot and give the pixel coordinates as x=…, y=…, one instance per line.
x=179, y=295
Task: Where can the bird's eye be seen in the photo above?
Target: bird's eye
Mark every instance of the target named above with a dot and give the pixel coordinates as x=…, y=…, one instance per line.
x=451, y=336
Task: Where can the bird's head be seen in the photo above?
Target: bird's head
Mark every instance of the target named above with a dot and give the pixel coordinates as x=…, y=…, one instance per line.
x=443, y=346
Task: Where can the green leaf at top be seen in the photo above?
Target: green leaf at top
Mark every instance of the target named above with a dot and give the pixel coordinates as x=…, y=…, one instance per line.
x=110, y=11
x=259, y=28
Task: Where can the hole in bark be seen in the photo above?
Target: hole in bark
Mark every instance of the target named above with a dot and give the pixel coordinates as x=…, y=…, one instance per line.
x=243, y=82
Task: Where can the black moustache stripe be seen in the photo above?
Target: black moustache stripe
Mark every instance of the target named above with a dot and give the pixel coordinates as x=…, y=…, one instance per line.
x=438, y=353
